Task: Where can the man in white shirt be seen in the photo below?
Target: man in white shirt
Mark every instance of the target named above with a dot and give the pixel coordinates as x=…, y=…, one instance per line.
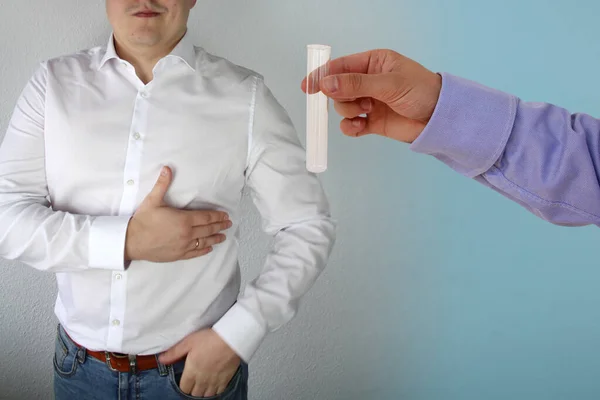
x=122, y=171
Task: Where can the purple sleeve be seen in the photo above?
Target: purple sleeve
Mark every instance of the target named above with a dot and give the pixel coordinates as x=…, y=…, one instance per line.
x=538, y=155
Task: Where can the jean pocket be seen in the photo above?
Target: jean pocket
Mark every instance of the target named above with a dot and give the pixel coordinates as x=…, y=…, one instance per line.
x=65, y=357
x=176, y=371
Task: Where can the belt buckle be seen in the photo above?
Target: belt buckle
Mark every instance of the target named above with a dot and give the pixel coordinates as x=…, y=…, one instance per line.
x=132, y=364
x=132, y=361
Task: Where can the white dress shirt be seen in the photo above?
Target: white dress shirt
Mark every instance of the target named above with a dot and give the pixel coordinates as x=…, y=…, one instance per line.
x=85, y=146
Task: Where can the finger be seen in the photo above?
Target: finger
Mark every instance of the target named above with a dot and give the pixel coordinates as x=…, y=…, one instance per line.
x=393, y=126
x=210, y=391
x=199, y=389
x=221, y=389
x=205, y=217
x=187, y=384
x=176, y=352
x=197, y=253
x=203, y=243
x=353, y=109
x=354, y=127
x=357, y=63
x=200, y=232
x=354, y=63
x=374, y=122
x=382, y=87
x=158, y=192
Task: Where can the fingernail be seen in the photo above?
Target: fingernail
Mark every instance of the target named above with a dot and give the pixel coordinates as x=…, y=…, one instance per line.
x=330, y=84
x=163, y=171
x=357, y=123
x=225, y=217
x=366, y=104
x=229, y=224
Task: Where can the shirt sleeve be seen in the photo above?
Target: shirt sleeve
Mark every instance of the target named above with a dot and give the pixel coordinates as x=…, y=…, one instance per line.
x=536, y=154
x=295, y=211
x=30, y=230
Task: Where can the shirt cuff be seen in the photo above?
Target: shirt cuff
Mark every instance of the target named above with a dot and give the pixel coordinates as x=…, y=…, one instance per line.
x=107, y=243
x=240, y=330
x=470, y=126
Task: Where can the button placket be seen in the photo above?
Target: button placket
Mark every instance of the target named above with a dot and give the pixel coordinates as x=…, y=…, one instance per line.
x=131, y=174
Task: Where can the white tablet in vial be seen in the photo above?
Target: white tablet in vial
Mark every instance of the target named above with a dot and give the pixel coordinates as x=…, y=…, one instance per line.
x=317, y=118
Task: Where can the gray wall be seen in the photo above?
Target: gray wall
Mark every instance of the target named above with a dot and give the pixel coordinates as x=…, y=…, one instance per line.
x=438, y=288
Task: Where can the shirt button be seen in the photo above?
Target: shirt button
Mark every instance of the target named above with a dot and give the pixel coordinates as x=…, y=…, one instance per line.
x=144, y=94
x=137, y=136
x=118, y=277
x=130, y=182
x=116, y=322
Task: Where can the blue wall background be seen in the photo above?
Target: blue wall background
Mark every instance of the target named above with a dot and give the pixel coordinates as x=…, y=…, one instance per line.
x=468, y=296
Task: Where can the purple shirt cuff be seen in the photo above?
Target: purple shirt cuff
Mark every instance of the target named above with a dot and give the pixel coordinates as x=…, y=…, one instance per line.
x=470, y=126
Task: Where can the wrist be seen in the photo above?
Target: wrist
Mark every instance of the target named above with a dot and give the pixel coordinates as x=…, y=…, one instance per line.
x=434, y=88
x=130, y=247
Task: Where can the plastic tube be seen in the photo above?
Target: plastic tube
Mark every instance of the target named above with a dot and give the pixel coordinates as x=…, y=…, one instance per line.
x=317, y=117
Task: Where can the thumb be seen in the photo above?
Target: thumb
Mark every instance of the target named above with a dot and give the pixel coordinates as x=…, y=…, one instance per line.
x=176, y=352
x=383, y=87
x=157, y=194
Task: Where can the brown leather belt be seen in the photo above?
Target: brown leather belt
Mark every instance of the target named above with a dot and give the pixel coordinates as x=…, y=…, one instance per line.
x=122, y=362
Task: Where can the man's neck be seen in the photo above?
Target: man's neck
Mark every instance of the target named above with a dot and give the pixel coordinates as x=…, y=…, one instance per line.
x=144, y=58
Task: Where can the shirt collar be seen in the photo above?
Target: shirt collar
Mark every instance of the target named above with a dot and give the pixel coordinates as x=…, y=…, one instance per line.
x=110, y=53
x=184, y=50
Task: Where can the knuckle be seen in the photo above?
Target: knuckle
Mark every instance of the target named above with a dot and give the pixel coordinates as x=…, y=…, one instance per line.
x=393, y=93
x=339, y=107
x=201, y=218
x=392, y=53
x=380, y=56
x=187, y=220
x=185, y=231
x=216, y=239
x=354, y=81
x=204, y=232
x=184, y=246
x=210, y=217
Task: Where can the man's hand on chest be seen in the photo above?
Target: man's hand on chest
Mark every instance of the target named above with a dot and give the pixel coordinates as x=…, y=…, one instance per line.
x=160, y=233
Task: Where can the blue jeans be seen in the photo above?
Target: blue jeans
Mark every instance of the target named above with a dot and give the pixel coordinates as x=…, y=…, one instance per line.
x=78, y=376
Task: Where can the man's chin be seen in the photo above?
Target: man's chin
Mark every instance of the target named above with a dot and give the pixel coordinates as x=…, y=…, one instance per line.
x=145, y=38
